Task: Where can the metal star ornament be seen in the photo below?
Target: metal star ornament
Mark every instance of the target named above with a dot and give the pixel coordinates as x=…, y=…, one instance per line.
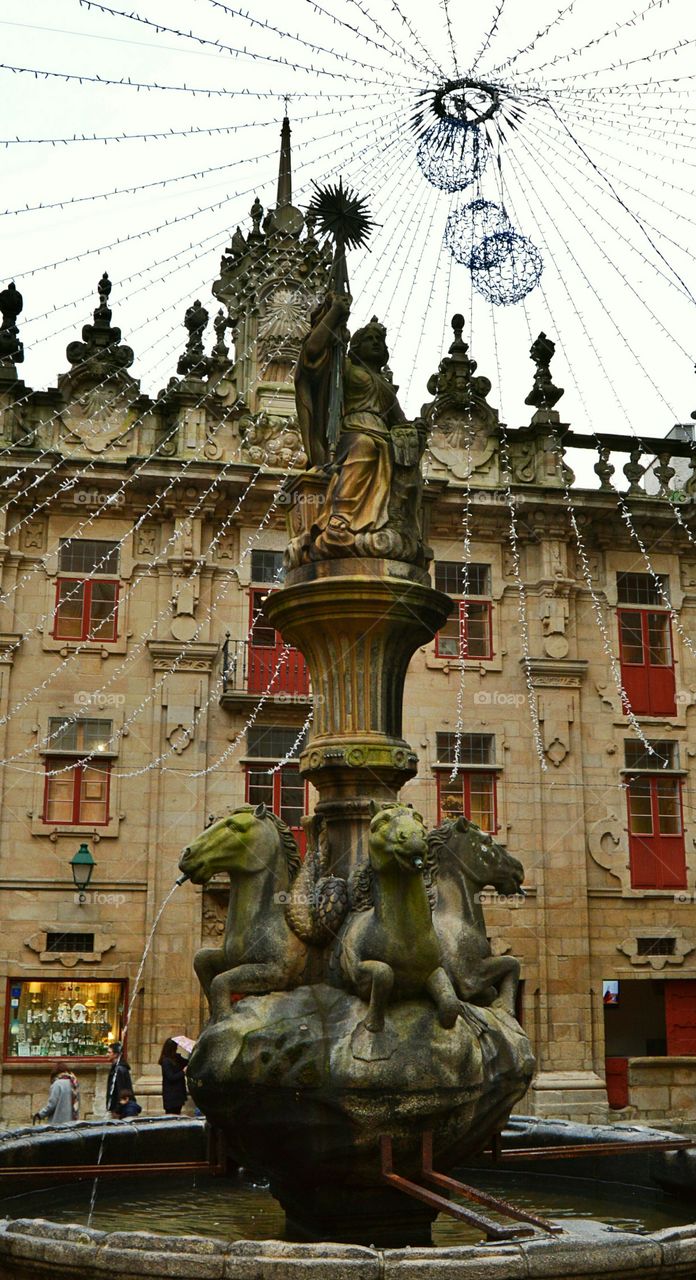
x=343, y=216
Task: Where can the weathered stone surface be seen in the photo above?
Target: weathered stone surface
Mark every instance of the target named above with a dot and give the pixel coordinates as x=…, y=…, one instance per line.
x=279, y=1076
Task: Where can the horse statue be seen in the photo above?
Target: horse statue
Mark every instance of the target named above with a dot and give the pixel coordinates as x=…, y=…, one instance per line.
x=260, y=952
x=462, y=860
x=389, y=948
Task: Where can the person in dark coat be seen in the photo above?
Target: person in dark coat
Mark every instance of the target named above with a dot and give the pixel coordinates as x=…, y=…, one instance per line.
x=174, y=1093
x=119, y=1079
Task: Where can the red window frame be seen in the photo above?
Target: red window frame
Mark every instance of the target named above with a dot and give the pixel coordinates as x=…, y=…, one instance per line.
x=650, y=686
x=78, y=769
x=466, y=776
x=275, y=792
x=657, y=859
x=85, y=629
x=264, y=674
x=463, y=605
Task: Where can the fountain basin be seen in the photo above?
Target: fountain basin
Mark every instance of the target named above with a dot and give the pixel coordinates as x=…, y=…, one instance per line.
x=33, y=1248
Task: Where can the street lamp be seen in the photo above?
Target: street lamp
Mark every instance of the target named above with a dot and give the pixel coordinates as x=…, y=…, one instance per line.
x=82, y=864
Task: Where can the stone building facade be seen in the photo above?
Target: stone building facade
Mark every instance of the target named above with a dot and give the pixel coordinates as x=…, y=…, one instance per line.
x=142, y=691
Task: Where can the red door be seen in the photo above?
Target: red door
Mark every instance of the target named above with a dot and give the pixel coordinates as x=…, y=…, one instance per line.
x=647, y=665
x=269, y=669
x=617, y=1082
x=680, y=1018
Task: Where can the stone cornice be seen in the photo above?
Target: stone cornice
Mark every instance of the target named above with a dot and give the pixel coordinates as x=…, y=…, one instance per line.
x=171, y=655
x=560, y=673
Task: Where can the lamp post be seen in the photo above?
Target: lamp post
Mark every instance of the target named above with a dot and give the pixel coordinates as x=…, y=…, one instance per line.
x=82, y=864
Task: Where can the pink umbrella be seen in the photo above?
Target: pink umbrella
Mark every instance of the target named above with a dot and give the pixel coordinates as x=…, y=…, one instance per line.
x=184, y=1045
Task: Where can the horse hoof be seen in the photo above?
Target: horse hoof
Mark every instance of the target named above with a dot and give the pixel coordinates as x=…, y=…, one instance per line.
x=373, y=1046
x=447, y=1013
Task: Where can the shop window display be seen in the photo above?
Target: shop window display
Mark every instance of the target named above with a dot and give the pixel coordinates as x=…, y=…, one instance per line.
x=52, y=1018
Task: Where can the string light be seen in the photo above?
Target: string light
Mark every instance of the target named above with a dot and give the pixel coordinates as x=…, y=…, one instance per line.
x=540, y=35
x=126, y=82
x=612, y=31
x=463, y=619
x=245, y=53
x=250, y=543
x=584, y=561
x=489, y=37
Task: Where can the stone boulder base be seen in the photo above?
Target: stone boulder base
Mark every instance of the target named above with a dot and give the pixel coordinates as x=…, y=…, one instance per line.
x=280, y=1077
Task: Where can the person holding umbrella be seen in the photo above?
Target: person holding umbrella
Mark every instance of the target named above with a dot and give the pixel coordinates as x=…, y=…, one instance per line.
x=173, y=1064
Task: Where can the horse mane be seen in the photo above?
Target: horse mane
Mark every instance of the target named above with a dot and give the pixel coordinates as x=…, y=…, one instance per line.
x=360, y=895
x=438, y=839
x=288, y=842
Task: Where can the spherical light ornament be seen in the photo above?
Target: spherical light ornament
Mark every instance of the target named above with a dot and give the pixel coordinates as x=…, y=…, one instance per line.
x=467, y=227
x=505, y=267
x=451, y=161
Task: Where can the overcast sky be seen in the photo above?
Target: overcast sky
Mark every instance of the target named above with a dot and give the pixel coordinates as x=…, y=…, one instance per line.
x=617, y=281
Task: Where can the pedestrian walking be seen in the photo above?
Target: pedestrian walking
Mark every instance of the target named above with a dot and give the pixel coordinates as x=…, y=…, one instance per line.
x=63, y=1106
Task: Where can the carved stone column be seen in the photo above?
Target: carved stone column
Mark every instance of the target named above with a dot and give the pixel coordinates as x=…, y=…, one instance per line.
x=358, y=624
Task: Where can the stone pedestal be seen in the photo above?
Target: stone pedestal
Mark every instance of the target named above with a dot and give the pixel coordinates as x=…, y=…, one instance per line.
x=358, y=624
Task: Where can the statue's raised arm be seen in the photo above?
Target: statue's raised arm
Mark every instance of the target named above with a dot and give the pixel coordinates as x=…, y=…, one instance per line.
x=327, y=337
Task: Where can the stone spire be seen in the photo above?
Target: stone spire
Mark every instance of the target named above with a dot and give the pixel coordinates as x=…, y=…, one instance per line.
x=285, y=168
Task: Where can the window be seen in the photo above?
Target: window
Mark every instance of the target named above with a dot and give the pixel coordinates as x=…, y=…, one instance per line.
x=473, y=790
x=470, y=626
x=76, y=794
x=85, y=556
x=664, y=755
x=267, y=566
x=269, y=669
x=655, y=828
x=645, y=644
x=76, y=790
x=52, y=1018
x=70, y=942
x=656, y=946
x=81, y=736
x=87, y=605
x=284, y=792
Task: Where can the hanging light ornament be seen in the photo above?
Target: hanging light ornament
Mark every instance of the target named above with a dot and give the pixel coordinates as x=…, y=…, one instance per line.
x=453, y=148
x=455, y=167
x=467, y=227
x=505, y=267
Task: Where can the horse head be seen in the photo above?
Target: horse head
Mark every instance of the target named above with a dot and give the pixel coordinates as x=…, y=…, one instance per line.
x=397, y=835
x=247, y=841
x=460, y=844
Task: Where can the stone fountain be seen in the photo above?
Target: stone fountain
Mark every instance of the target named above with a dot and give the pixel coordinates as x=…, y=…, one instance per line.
x=372, y=1007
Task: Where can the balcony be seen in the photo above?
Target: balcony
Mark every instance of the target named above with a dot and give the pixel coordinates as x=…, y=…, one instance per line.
x=252, y=672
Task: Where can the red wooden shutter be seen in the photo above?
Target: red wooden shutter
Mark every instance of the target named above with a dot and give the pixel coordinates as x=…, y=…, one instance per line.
x=680, y=1017
x=268, y=669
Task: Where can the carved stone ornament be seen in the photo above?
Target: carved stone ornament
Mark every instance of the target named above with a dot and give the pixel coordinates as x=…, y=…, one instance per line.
x=543, y=395
x=33, y=535
x=273, y=440
x=653, y=959
x=38, y=942
x=463, y=426
x=283, y=323
x=554, y=620
x=606, y=842
x=98, y=391
x=146, y=540
x=11, y=304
